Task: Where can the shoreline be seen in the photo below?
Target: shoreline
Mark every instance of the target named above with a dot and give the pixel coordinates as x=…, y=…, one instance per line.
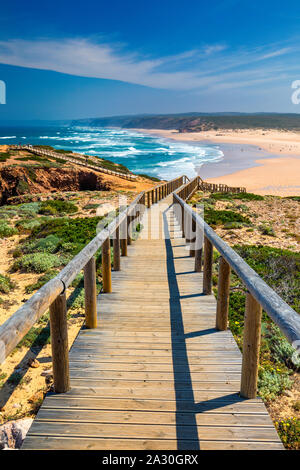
x=262, y=168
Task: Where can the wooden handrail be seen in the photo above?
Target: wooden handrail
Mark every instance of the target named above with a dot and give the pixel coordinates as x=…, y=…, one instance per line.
x=52, y=294
x=259, y=293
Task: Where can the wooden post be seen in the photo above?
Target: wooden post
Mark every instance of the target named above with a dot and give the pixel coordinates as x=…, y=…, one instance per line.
x=198, y=249
x=129, y=229
x=117, y=261
x=198, y=260
x=251, y=345
x=59, y=344
x=123, y=246
x=193, y=237
x=182, y=221
x=148, y=200
x=90, y=294
x=106, y=266
x=207, y=268
x=223, y=295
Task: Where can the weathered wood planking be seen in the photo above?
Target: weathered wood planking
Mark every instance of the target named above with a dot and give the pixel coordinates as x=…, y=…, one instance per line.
x=155, y=373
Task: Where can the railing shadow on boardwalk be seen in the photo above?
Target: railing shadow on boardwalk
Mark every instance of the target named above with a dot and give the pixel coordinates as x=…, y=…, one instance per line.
x=185, y=399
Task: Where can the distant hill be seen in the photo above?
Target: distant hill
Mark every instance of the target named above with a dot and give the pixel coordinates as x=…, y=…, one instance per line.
x=195, y=122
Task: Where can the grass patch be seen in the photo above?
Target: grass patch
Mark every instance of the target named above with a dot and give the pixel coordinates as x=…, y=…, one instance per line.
x=6, y=284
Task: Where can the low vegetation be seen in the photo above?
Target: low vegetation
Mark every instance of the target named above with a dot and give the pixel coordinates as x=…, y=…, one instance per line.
x=225, y=218
x=6, y=230
x=54, y=207
x=236, y=196
x=6, y=284
x=289, y=432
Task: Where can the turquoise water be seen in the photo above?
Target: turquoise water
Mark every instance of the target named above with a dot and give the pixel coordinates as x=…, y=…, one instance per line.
x=141, y=153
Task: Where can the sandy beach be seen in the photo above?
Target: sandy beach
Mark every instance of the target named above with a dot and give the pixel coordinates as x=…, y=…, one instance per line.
x=264, y=161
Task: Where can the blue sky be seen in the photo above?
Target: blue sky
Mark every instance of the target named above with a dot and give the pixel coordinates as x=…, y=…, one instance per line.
x=63, y=60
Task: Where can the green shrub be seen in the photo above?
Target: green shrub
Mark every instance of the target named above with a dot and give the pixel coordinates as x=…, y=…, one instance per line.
x=28, y=209
x=267, y=230
x=27, y=225
x=48, y=244
x=76, y=233
x=6, y=284
x=6, y=230
x=55, y=207
x=240, y=196
x=289, y=432
x=280, y=349
x=279, y=268
x=37, y=262
x=214, y=217
x=272, y=383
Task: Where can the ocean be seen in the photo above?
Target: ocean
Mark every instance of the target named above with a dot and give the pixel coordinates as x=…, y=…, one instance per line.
x=141, y=153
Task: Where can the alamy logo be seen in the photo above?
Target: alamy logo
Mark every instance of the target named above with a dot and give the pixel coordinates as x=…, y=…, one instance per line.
x=296, y=94
x=2, y=92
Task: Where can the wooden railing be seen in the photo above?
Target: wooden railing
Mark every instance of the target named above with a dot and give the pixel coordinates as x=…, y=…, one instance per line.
x=218, y=188
x=259, y=296
x=52, y=295
x=50, y=153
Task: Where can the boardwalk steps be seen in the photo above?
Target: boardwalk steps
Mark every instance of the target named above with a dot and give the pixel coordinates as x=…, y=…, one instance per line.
x=155, y=373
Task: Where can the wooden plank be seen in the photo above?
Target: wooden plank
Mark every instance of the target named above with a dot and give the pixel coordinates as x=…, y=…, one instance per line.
x=219, y=405
x=159, y=418
x=77, y=443
x=119, y=359
x=123, y=431
x=132, y=367
x=154, y=376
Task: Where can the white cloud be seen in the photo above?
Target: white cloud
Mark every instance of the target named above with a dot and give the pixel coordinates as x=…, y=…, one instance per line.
x=190, y=70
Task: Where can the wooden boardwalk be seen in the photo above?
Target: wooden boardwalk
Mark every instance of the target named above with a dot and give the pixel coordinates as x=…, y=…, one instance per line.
x=155, y=374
